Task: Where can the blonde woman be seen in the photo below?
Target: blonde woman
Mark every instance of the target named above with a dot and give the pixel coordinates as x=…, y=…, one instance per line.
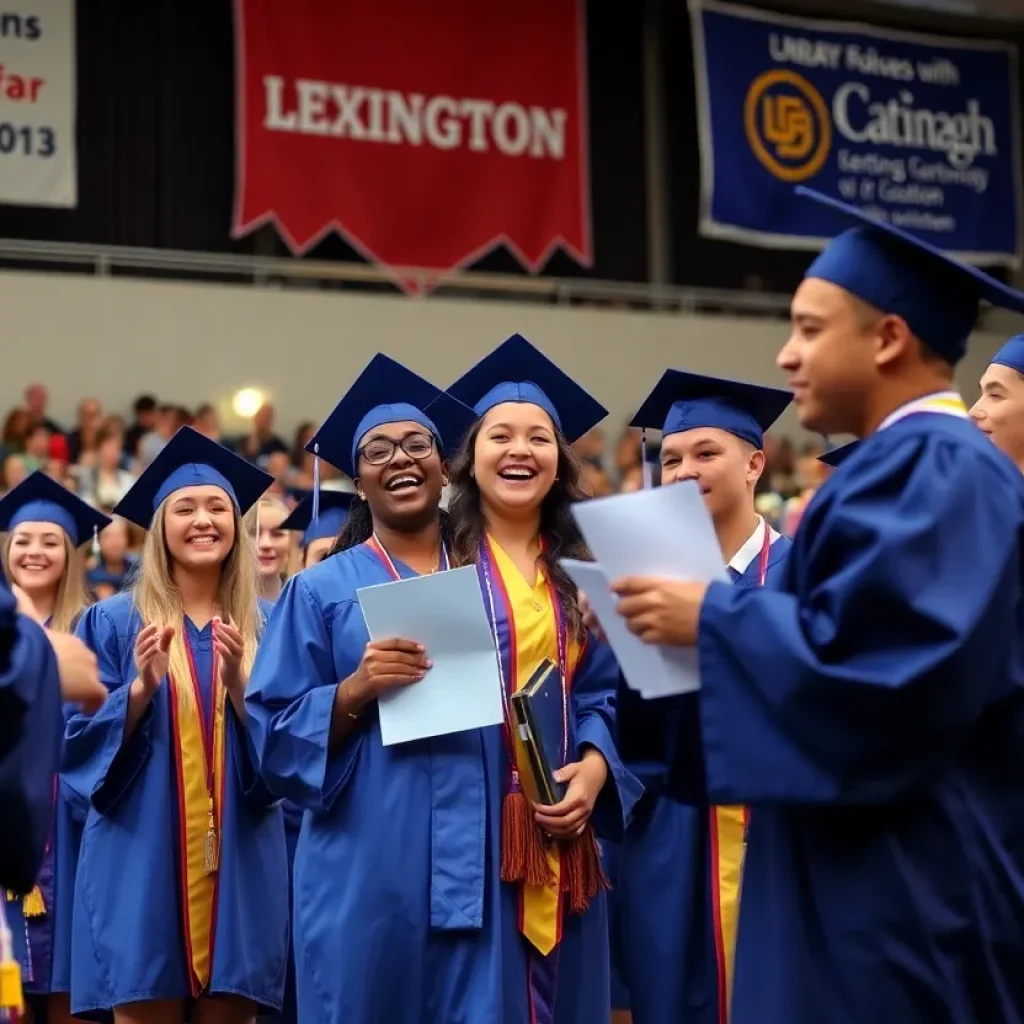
x=275, y=548
x=181, y=905
x=45, y=525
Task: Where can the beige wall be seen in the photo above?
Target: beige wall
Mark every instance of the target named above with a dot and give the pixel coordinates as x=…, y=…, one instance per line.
x=194, y=342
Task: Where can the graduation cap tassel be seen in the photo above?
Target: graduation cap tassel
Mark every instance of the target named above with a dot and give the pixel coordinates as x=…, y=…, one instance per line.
x=316, y=481
x=645, y=466
x=96, y=542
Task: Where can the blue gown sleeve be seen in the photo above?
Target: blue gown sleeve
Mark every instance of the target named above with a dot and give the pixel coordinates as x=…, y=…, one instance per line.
x=594, y=697
x=861, y=680
x=30, y=738
x=99, y=767
x=250, y=782
x=290, y=702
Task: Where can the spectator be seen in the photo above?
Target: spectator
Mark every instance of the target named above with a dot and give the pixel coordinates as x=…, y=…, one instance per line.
x=13, y=471
x=166, y=423
x=302, y=461
x=590, y=448
x=207, y=422
x=594, y=480
x=279, y=466
x=83, y=438
x=107, y=481
x=36, y=400
x=16, y=428
x=37, y=447
x=145, y=422
x=261, y=442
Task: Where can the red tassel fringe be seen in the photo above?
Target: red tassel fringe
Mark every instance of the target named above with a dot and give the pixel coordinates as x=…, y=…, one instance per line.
x=524, y=856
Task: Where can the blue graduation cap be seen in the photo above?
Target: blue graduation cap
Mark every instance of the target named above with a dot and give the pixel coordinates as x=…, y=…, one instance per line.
x=837, y=456
x=687, y=401
x=516, y=371
x=38, y=499
x=386, y=392
x=190, y=460
x=1012, y=354
x=898, y=273
x=333, y=512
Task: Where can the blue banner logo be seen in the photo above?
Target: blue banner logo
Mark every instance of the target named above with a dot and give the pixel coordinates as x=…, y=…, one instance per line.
x=918, y=130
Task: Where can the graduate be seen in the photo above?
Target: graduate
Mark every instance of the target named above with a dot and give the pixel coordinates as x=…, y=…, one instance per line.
x=317, y=540
x=181, y=895
x=45, y=526
x=680, y=866
x=869, y=707
x=395, y=910
x=274, y=548
x=513, y=484
x=319, y=535
x=999, y=412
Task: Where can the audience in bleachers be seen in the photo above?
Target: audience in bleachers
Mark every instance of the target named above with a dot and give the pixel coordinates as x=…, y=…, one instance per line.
x=101, y=457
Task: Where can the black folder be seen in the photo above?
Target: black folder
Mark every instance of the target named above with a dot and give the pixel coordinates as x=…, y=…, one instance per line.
x=537, y=719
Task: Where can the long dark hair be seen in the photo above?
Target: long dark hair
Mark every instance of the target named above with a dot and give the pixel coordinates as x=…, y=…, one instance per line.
x=358, y=527
x=558, y=529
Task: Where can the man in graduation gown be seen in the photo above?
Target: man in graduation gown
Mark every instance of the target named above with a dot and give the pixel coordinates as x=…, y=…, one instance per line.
x=677, y=897
x=999, y=412
x=868, y=709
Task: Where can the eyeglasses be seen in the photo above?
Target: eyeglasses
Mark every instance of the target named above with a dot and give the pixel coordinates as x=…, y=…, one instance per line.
x=381, y=450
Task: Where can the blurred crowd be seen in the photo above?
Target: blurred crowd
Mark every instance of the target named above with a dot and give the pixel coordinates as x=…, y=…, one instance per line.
x=102, y=453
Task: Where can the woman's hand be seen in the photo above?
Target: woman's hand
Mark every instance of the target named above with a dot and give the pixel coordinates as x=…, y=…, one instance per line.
x=227, y=640
x=586, y=779
x=152, y=655
x=386, y=665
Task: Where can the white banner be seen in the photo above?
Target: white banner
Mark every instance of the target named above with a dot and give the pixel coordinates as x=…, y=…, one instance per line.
x=37, y=103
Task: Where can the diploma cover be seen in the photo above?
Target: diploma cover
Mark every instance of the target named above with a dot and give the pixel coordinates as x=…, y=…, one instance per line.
x=537, y=710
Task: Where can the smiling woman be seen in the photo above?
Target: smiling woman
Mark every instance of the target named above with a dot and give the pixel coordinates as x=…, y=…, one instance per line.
x=514, y=481
x=402, y=819
x=171, y=745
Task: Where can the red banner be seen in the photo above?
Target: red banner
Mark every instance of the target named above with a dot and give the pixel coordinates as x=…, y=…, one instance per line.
x=426, y=132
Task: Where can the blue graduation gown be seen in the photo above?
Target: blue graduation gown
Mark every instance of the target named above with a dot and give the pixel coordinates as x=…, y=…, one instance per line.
x=871, y=712
x=30, y=740
x=128, y=939
x=399, y=912
x=667, y=936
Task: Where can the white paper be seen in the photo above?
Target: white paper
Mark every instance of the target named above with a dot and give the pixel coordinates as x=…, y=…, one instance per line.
x=666, y=532
x=444, y=612
x=650, y=669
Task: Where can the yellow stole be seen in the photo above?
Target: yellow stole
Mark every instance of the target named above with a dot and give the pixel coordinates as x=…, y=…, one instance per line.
x=200, y=807
x=728, y=843
x=533, y=630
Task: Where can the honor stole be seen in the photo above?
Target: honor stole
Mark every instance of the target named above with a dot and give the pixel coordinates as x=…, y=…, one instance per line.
x=199, y=740
x=532, y=637
x=728, y=847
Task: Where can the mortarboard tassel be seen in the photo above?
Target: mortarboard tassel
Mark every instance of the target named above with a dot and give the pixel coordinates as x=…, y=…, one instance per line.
x=645, y=466
x=316, y=481
x=96, y=542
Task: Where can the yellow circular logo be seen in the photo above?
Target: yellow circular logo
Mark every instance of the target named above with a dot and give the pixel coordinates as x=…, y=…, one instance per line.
x=787, y=125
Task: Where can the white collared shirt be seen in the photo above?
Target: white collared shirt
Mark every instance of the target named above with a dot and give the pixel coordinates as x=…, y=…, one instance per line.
x=948, y=403
x=751, y=547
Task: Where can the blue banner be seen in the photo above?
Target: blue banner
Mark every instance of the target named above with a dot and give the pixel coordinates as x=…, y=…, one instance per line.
x=919, y=130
